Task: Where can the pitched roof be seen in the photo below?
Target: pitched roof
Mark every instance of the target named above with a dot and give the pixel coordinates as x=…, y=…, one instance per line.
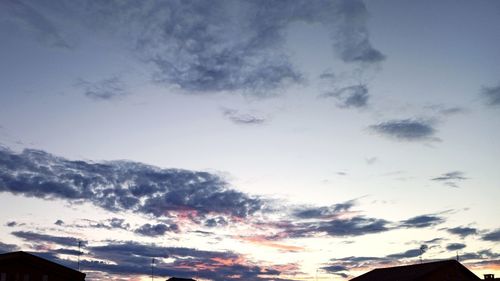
x=27, y=258
x=416, y=272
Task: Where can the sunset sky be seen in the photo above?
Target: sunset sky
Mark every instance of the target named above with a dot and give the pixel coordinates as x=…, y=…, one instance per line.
x=250, y=140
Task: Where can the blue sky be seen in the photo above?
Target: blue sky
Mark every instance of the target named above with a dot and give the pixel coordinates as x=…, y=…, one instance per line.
x=250, y=140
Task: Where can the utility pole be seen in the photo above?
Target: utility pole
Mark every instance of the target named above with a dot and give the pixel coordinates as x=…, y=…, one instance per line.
x=152, y=268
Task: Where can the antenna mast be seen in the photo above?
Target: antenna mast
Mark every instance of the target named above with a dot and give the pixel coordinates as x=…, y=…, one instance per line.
x=79, y=245
x=152, y=268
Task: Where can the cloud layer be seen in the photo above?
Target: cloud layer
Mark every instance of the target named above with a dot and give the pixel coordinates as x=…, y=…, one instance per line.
x=122, y=185
x=202, y=46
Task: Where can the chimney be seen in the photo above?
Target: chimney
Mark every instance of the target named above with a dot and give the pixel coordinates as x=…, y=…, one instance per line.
x=489, y=276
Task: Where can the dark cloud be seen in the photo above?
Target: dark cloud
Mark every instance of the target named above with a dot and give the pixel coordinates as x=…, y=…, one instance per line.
x=351, y=96
x=59, y=222
x=321, y=212
x=462, y=231
x=30, y=17
x=202, y=46
x=455, y=246
x=328, y=220
x=422, y=221
x=355, y=226
x=336, y=270
x=405, y=129
x=69, y=252
x=216, y=222
x=11, y=224
x=242, y=118
x=105, y=89
x=154, y=230
x=45, y=238
x=451, y=178
x=491, y=95
x=5, y=248
x=493, y=236
x=122, y=185
x=407, y=254
x=133, y=258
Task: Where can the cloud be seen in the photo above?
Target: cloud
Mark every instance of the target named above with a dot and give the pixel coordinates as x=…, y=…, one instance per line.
x=45, y=238
x=33, y=19
x=105, y=89
x=451, y=178
x=123, y=185
x=371, y=160
x=202, y=46
x=491, y=95
x=5, y=248
x=356, y=226
x=134, y=258
x=462, y=231
x=405, y=129
x=446, y=110
x=113, y=223
x=11, y=224
x=59, y=222
x=493, y=236
x=241, y=118
x=216, y=222
x=322, y=212
x=351, y=96
x=154, y=230
x=407, y=254
x=422, y=221
x=455, y=246
x=352, y=37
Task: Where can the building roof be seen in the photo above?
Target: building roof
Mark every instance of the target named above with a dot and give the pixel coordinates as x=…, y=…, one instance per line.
x=35, y=261
x=417, y=272
x=180, y=279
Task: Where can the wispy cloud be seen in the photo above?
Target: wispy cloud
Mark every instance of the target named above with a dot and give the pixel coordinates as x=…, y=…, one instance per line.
x=406, y=129
x=493, y=236
x=242, y=118
x=422, y=221
x=463, y=231
x=451, y=178
x=350, y=96
x=32, y=19
x=491, y=95
x=45, y=238
x=105, y=89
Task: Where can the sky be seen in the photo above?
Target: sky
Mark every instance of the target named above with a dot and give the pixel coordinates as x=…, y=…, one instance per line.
x=250, y=140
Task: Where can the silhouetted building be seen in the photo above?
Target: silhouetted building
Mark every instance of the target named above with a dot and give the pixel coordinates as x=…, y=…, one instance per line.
x=180, y=279
x=21, y=266
x=446, y=270
x=490, y=277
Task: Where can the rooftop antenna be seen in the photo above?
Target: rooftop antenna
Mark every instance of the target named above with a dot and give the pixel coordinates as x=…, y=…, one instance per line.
x=458, y=258
x=79, y=246
x=423, y=248
x=152, y=268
